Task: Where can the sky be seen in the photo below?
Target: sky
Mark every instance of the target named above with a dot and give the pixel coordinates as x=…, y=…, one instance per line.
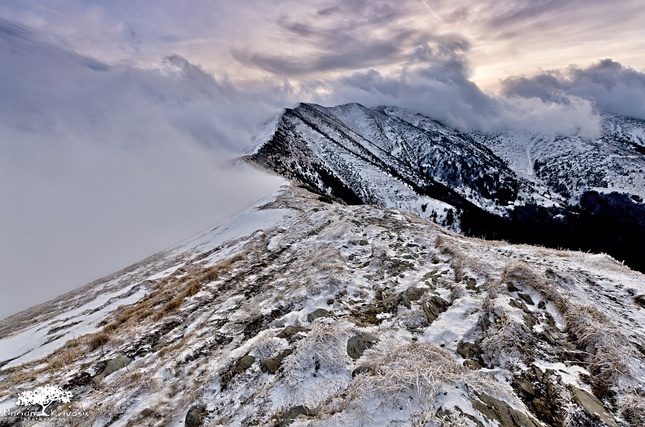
x=119, y=120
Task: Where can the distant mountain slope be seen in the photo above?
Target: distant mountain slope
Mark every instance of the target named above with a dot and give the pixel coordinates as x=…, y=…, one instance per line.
x=306, y=313
x=555, y=191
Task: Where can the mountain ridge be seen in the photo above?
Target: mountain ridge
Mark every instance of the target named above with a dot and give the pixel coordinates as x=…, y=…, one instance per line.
x=475, y=183
x=303, y=312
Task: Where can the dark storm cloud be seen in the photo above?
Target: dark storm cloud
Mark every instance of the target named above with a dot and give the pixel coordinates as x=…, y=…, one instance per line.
x=446, y=95
x=435, y=81
x=354, y=55
x=377, y=53
x=610, y=86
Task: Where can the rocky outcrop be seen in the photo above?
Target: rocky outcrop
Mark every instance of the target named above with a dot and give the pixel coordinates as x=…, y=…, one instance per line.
x=502, y=412
x=112, y=366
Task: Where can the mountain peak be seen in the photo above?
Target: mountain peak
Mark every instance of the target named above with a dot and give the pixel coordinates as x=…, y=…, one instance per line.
x=521, y=187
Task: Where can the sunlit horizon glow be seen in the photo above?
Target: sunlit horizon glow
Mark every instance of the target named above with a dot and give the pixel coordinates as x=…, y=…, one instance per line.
x=276, y=40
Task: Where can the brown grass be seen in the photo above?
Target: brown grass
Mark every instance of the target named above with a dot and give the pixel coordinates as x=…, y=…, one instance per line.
x=166, y=296
x=607, y=354
x=523, y=276
x=97, y=340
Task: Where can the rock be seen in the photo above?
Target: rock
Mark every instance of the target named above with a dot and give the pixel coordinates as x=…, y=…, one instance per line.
x=195, y=416
x=434, y=307
x=243, y=364
x=240, y=366
x=112, y=366
x=290, y=333
x=542, y=408
x=526, y=298
x=468, y=350
x=511, y=287
x=592, y=406
x=293, y=413
x=640, y=300
x=409, y=295
x=117, y=363
x=471, y=284
x=472, y=365
x=519, y=304
x=357, y=345
x=389, y=305
x=542, y=392
x=542, y=305
x=501, y=412
x=530, y=320
x=319, y=312
x=272, y=365
x=548, y=337
x=528, y=387
x=538, y=373
x=362, y=370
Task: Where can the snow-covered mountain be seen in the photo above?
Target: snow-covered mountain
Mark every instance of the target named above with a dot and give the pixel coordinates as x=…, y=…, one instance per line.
x=303, y=312
x=531, y=188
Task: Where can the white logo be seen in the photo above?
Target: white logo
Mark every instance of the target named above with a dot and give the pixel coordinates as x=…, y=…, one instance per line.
x=44, y=396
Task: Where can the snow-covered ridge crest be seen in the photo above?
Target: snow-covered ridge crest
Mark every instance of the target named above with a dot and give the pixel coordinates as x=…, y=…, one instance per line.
x=305, y=312
x=265, y=134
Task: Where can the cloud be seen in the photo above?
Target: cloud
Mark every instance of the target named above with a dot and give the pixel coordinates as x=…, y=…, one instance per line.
x=379, y=53
x=104, y=165
x=436, y=82
x=347, y=36
x=610, y=86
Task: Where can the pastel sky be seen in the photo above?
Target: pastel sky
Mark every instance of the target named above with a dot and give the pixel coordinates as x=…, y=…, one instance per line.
x=297, y=40
x=118, y=118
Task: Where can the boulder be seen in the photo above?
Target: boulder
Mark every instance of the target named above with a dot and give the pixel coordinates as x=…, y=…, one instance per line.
x=526, y=298
x=290, y=416
x=357, y=345
x=290, y=333
x=319, y=312
x=363, y=370
x=195, y=416
x=409, y=295
x=240, y=366
x=592, y=406
x=502, y=412
x=113, y=365
x=434, y=307
x=273, y=364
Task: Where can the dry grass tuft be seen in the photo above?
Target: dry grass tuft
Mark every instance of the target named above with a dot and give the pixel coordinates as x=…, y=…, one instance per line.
x=632, y=407
x=604, y=345
x=412, y=376
x=524, y=277
x=98, y=340
x=505, y=343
